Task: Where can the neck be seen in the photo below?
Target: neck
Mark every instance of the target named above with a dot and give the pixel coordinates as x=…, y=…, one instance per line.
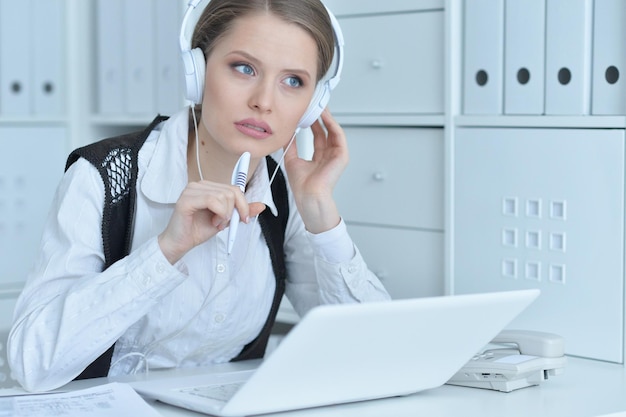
x=207, y=161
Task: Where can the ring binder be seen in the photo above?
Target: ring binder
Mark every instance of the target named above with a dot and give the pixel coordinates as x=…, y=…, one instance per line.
x=568, y=57
x=609, y=58
x=483, y=56
x=524, y=34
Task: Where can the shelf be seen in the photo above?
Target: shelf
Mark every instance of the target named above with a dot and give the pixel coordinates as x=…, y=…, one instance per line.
x=122, y=120
x=405, y=120
x=574, y=122
x=30, y=121
x=10, y=290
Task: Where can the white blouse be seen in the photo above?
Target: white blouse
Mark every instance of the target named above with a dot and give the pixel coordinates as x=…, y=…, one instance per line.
x=202, y=310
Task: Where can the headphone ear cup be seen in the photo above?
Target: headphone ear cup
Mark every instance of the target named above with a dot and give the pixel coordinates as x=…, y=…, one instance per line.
x=317, y=105
x=194, y=66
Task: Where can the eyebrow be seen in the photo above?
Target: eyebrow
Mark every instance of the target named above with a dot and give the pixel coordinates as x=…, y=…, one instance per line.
x=301, y=72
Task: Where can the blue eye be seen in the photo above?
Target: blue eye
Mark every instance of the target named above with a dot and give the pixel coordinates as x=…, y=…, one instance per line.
x=294, y=82
x=244, y=69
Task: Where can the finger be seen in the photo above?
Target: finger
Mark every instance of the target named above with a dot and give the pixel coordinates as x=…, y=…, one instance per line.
x=240, y=204
x=335, y=131
x=320, y=140
x=328, y=118
x=218, y=203
x=217, y=207
x=223, y=225
x=217, y=198
x=256, y=209
x=318, y=128
x=221, y=218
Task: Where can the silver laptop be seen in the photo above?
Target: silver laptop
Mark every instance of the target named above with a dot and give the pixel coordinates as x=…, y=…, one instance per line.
x=351, y=352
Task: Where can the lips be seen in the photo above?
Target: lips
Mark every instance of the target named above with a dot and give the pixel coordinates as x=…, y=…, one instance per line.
x=254, y=128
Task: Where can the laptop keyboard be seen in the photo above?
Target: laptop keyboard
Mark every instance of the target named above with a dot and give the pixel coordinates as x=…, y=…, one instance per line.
x=220, y=392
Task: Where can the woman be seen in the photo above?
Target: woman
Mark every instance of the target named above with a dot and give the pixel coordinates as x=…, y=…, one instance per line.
x=179, y=298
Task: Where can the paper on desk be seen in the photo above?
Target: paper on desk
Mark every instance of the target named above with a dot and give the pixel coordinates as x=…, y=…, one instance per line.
x=109, y=400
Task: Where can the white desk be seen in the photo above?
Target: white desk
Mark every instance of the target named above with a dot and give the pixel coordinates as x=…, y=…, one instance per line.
x=586, y=389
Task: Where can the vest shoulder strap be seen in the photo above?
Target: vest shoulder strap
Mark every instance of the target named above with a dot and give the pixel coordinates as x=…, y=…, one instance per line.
x=116, y=161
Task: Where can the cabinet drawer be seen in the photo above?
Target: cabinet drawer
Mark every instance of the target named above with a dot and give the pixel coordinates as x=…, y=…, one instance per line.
x=395, y=177
x=393, y=64
x=409, y=263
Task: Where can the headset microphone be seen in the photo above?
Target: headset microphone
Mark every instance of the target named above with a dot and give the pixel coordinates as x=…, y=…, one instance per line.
x=194, y=66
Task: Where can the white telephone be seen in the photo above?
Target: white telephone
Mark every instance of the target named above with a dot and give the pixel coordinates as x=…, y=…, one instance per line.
x=536, y=356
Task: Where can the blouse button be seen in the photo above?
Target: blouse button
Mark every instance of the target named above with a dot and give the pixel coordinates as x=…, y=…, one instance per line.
x=219, y=318
x=221, y=268
x=160, y=268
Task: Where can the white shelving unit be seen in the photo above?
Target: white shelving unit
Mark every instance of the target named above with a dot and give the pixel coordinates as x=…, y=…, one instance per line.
x=37, y=142
x=537, y=201
x=33, y=133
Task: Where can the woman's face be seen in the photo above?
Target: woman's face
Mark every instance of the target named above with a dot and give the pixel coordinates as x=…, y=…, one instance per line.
x=260, y=78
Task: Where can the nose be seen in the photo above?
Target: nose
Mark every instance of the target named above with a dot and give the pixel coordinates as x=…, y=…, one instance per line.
x=262, y=97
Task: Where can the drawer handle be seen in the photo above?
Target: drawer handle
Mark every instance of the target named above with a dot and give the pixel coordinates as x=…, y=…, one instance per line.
x=376, y=64
x=379, y=176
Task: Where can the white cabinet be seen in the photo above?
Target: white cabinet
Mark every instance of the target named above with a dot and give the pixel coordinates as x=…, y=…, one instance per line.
x=52, y=85
x=543, y=208
x=391, y=196
x=391, y=105
x=34, y=133
x=538, y=201
x=31, y=166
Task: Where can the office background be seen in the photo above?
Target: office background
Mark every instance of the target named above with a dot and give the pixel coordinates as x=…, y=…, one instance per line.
x=486, y=137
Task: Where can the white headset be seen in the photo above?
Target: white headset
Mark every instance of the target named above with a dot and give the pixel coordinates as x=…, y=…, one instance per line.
x=195, y=65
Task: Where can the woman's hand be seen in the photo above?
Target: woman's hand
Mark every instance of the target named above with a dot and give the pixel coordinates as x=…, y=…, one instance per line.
x=203, y=209
x=313, y=182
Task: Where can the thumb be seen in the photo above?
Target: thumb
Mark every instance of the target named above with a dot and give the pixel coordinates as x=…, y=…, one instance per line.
x=256, y=209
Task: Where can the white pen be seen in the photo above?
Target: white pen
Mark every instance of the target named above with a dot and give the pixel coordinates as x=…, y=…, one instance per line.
x=239, y=178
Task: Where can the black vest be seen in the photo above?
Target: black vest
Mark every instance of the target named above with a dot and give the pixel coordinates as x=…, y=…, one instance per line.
x=116, y=161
